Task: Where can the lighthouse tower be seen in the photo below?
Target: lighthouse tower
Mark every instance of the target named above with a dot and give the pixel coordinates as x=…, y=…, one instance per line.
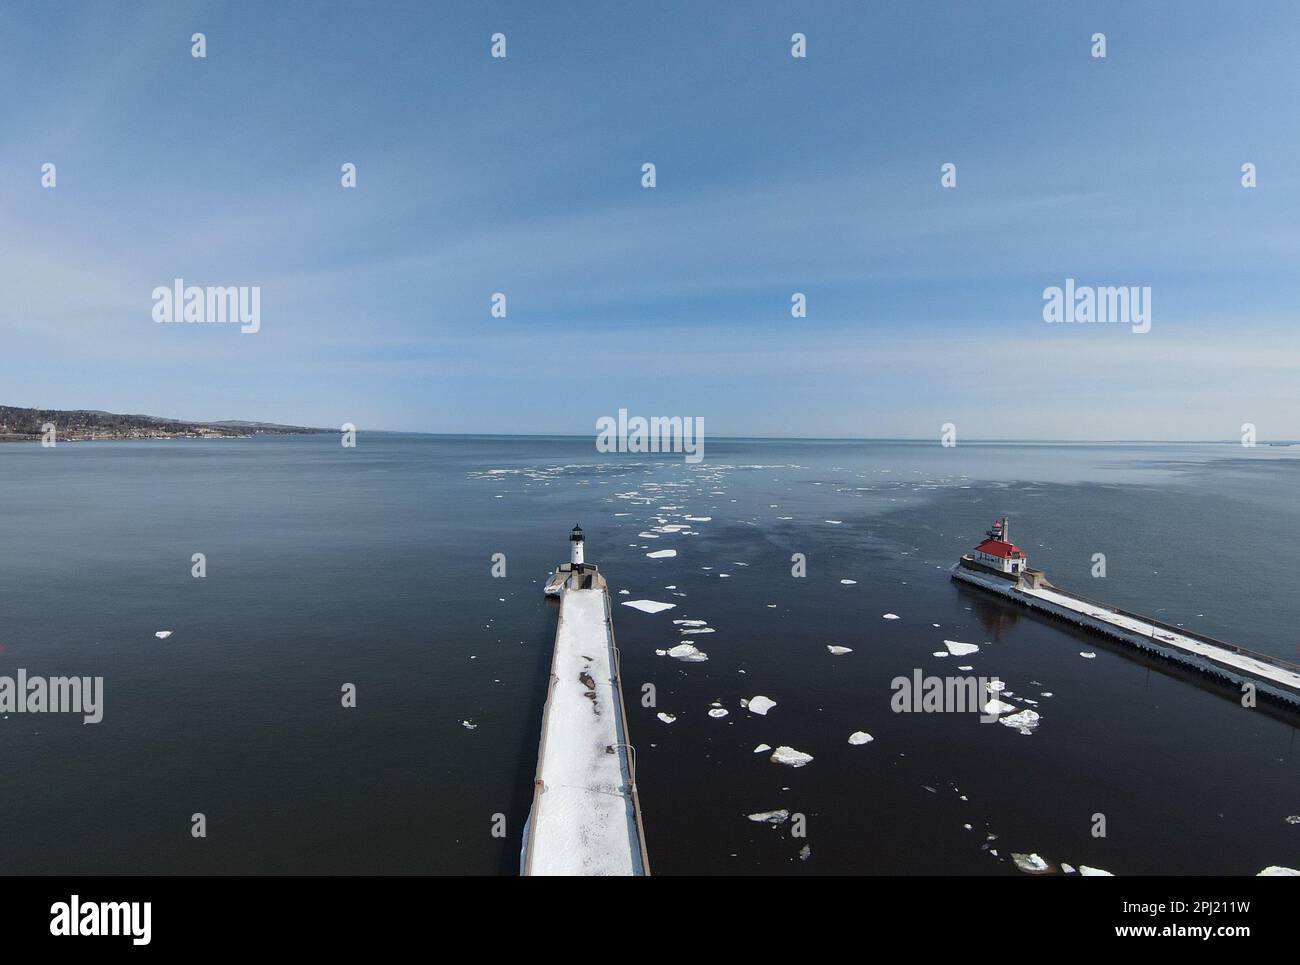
x=575, y=538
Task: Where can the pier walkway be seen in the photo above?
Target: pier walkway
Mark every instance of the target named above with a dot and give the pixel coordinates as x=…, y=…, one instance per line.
x=585, y=818
x=1254, y=665
x=1272, y=676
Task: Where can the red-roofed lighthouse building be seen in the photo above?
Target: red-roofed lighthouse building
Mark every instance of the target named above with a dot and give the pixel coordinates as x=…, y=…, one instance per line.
x=999, y=552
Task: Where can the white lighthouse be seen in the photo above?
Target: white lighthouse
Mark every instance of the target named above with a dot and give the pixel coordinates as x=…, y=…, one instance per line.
x=575, y=538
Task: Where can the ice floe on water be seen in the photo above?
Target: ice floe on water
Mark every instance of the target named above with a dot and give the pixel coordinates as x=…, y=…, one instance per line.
x=1278, y=871
x=699, y=519
x=998, y=707
x=890, y=616
x=996, y=686
x=838, y=651
x=685, y=652
x=1031, y=863
x=717, y=712
x=860, y=737
x=1087, y=654
x=849, y=582
x=649, y=606
x=666, y=718
x=771, y=817
x=1094, y=872
x=468, y=725
x=691, y=623
x=835, y=522
x=760, y=705
x=662, y=554
x=1026, y=721
x=959, y=649
x=163, y=634
x=790, y=757
x=762, y=747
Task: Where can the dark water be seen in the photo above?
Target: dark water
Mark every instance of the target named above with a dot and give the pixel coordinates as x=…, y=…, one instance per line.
x=372, y=566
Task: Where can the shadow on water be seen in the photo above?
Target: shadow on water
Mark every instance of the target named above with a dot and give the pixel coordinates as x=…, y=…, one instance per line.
x=521, y=799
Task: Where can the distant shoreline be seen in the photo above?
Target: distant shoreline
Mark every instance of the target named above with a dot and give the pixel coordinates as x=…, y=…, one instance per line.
x=159, y=438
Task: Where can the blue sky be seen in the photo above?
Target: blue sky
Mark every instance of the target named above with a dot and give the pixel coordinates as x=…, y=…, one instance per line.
x=775, y=175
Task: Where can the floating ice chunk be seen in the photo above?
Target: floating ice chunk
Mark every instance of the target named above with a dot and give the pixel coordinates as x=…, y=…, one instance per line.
x=761, y=705
x=648, y=535
x=940, y=653
x=662, y=554
x=838, y=651
x=691, y=630
x=1030, y=863
x=1067, y=868
x=965, y=666
x=649, y=606
x=468, y=725
x=699, y=519
x=691, y=623
x=890, y=616
x=686, y=653
x=771, y=817
x=624, y=592
x=860, y=737
x=835, y=522
x=997, y=686
x=1277, y=871
x=163, y=634
x=1026, y=721
x=718, y=712
x=998, y=707
x=959, y=649
x=1087, y=654
x=1293, y=819
x=849, y=582
x=762, y=747
x=790, y=757
x=1094, y=872
x=666, y=718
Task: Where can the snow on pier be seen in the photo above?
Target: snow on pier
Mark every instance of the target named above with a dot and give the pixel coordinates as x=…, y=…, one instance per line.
x=1271, y=676
x=585, y=817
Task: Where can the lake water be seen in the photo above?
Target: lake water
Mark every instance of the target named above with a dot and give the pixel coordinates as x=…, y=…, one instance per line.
x=372, y=566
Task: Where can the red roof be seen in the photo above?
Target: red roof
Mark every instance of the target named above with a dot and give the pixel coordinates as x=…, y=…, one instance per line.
x=997, y=547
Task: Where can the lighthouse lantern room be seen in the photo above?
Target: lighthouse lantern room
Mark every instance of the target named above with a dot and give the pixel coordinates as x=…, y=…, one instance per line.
x=999, y=552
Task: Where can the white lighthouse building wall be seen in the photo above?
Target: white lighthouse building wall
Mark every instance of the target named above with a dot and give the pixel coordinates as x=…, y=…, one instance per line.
x=997, y=562
x=577, y=551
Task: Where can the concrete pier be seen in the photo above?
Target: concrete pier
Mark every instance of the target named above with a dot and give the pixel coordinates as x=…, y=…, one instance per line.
x=585, y=818
x=1272, y=677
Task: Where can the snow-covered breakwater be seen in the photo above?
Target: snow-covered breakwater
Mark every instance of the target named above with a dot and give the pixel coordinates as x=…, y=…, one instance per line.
x=1271, y=677
x=585, y=818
